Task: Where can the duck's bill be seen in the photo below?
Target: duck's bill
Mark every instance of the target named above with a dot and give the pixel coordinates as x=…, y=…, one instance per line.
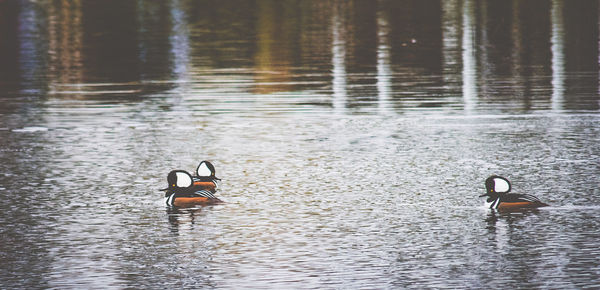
x=484, y=195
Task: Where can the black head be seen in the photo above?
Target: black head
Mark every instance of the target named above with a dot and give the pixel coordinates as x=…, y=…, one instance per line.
x=179, y=180
x=206, y=171
x=495, y=186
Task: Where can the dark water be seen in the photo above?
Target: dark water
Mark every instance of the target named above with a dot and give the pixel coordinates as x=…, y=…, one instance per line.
x=353, y=139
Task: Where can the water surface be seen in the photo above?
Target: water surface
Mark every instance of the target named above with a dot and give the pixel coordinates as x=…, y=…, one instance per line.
x=353, y=140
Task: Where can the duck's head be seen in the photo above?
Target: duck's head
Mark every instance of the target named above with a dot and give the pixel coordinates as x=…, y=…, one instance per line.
x=179, y=180
x=206, y=171
x=496, y=186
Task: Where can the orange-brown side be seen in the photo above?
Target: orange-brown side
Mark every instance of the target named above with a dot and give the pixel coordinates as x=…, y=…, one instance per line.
x=192, y=201
x=517, y=205
x=206, y=185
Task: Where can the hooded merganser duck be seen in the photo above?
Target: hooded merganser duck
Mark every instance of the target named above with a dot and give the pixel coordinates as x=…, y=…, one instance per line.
x=183, y=192
x=499, y=198
x=205, y=177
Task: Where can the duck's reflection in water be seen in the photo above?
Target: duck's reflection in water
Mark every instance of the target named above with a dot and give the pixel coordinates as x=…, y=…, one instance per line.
x=182, y=220
x=194, y=248
x=507, y=229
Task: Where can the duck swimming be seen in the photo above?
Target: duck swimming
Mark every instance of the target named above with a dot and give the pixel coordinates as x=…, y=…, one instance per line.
x=205, y=177
x=499, y=198
x=185, y=190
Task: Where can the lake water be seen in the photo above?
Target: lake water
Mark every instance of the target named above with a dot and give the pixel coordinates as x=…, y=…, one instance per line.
x=353, y=139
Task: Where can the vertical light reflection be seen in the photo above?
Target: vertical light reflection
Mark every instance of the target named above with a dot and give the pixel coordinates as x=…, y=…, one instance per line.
x=516, y=66
x=273, y=58
x=339, y=59
x=558, y=55
x=469, y=72
x=487, y=67
x=384, y=71
x=65, y=45
x=30, y=52
x=180, y=45
x=451, y=49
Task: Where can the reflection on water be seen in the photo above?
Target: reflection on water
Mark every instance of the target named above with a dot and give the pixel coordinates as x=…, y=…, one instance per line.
x=384, y=71
x=469, y=70
x=558, y=64
x=353, y=138
x=363, y=62
x=338, y=52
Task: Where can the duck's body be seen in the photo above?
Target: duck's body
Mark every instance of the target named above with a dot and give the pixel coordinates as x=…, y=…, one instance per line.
x=515, y=201
x=185, y=190
x=205, y=185
x=499, y=198
x=187, y=199
x=205, y=178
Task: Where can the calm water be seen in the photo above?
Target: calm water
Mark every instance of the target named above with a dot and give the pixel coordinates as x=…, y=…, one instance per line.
x=353, y=139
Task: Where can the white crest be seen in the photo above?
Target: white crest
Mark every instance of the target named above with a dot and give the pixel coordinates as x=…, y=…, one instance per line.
x=501, y=185
x=183, y=179
x=203, y=170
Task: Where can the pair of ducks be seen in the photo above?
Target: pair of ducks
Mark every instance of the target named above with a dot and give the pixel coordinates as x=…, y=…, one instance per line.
x=186, y=190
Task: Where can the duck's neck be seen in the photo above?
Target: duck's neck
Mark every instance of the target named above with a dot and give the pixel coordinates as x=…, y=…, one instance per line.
x=493, y=200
